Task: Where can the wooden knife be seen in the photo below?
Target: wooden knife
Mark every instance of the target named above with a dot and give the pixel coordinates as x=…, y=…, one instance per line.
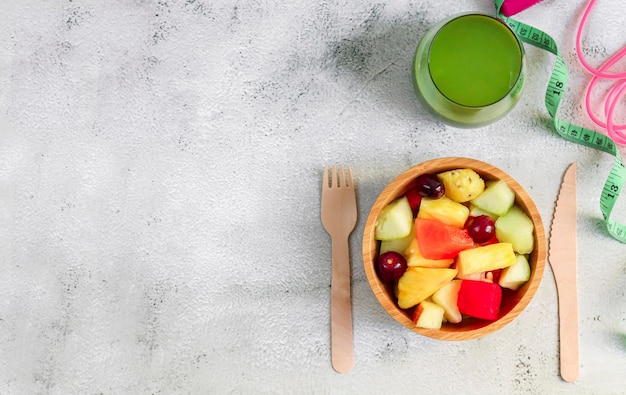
x=562, y=257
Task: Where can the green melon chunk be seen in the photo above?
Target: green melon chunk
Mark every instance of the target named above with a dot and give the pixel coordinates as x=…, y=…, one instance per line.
x=517, y=228
x=395, y=220
x=516, y=275
x=476, y=212
x=397, y=245
x=497, y=198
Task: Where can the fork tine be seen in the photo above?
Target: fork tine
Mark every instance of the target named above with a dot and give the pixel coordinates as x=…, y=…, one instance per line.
x=325, y=180
x=349, y=177
x=337, y=177
x=342, y=177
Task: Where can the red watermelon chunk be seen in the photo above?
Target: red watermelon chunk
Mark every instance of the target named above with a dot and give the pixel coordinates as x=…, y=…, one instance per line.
x=479, y=299
x=437, y=240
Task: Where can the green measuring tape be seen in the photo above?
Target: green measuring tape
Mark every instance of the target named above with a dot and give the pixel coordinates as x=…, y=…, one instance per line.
x=556, y=88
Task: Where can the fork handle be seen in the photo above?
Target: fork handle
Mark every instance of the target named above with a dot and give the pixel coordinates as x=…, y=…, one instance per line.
x=342, y=352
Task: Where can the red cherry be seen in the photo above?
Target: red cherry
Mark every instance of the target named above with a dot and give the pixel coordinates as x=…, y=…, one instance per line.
x=391, y=266
x=481, y=229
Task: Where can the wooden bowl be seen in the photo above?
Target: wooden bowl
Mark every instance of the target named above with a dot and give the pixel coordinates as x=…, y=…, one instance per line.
x=513, y=302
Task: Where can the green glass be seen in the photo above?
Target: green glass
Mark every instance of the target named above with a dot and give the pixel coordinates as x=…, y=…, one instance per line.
x=469, y=70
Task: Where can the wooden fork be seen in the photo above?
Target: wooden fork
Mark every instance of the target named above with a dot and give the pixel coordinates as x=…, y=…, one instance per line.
x=339, y=216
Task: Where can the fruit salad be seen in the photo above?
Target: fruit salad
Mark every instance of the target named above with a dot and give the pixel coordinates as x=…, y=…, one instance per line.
x=452, y=245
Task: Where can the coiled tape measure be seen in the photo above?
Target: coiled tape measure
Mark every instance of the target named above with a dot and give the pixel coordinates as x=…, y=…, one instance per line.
x=577, y=134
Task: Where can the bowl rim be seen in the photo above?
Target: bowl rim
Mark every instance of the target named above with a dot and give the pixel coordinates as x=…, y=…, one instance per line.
x=395, y=189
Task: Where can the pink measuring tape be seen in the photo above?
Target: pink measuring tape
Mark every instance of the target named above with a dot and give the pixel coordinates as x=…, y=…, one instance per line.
x=616, y=132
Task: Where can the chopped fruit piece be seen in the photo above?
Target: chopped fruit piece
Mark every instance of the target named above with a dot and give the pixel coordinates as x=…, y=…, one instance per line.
x=517, y=228
x=395, y=220
x=414, y=257
x=397, y=245
x=446, y=297
x=445, y=210
x=485, y=258
x=391, y=266
x=428, y=315
x=514, y=276
x=418, y=283
x=440, y=241
x=493, y=240
x=497, y=198
x=478, y=276
x=428, y=185
x=480, y=299
x=415, y=199
x=462, y=185
x=477, y=212
x=495, y=275
x=481, y=229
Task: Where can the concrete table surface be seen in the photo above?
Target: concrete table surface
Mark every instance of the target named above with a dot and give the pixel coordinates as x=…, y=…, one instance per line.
x=160, y=171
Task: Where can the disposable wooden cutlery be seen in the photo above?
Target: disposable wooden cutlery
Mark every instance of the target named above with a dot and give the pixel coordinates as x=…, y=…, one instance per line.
x=562, y=257
x=339, y=214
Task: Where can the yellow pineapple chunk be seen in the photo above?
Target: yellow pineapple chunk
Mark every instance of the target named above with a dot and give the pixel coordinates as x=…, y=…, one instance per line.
x=418, y=283
x=485, y=258
x=445, y=210
x=414, y=257
x=462, y=185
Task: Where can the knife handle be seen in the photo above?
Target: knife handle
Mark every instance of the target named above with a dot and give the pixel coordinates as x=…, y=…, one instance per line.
x=568, y=329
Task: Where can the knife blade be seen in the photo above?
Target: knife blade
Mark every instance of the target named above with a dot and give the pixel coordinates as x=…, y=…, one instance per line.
x=563, y=259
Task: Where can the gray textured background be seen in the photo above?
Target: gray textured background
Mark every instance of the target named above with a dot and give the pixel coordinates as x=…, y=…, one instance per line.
x=160, y=171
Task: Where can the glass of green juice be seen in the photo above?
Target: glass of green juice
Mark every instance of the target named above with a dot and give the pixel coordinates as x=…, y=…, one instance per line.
x=469, y=70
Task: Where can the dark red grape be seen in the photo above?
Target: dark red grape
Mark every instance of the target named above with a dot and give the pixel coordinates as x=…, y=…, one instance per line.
x=428, y=185
x=391, y=266
x=481, y=229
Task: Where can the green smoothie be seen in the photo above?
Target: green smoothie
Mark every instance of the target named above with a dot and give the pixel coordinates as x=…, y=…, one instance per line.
x=468, y=70
x=474, y=60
